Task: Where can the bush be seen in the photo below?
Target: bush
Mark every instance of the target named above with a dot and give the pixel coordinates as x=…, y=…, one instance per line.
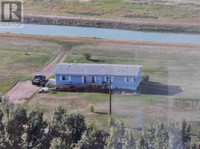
x=145, y=78
x=87, y=55
x=91, y=107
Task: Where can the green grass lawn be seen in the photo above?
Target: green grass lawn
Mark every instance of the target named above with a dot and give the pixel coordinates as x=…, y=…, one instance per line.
x=117, y=9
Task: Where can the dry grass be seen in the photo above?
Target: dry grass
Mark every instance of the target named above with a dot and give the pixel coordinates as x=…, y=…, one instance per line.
x=174, y=10
x=75, y=102
x=21, y=57
x=170, y=64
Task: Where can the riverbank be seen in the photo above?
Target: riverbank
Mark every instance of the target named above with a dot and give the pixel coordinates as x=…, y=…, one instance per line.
x=124, y=24
x=96, y=40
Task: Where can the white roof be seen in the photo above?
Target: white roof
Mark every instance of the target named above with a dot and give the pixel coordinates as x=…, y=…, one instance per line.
x=97, y=69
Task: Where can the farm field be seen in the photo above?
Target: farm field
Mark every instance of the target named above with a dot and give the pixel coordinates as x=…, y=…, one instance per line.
x=171, y=10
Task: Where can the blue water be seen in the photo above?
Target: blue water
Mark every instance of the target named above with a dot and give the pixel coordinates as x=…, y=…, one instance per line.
x=73, y=31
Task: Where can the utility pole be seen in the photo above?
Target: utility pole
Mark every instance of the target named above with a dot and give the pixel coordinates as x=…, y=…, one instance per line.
x=110, y=93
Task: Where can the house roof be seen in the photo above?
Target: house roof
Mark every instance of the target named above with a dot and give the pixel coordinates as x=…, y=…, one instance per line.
x=97, y=69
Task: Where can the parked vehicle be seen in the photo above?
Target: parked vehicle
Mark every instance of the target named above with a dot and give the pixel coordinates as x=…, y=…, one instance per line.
x=39, y=80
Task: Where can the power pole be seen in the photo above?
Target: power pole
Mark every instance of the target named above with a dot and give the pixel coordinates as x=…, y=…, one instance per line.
x=110, y=93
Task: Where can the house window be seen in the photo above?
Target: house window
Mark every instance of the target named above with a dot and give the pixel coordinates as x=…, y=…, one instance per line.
x=93, y=79
x=84, y=79
x=107, y=79
x=65, y=78
x=88, y=79
x=128, y=79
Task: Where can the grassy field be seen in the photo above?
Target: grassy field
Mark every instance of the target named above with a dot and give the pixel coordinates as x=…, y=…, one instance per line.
x=173, y=72
x=171, y=93
x=21, y=57
x=130, y=9
x=164, y=64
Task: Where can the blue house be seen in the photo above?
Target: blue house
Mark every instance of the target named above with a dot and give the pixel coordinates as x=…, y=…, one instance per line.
x=122, y=76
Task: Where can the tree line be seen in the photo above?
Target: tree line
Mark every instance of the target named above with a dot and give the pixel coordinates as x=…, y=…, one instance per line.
x=20, y=129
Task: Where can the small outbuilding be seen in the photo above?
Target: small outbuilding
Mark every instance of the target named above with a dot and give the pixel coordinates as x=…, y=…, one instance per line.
x=122, y=76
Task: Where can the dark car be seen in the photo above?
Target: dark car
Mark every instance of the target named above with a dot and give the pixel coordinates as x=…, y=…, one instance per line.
x=39, y=80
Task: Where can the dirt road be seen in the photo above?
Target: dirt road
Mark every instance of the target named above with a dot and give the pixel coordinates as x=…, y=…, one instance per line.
x=23, y=90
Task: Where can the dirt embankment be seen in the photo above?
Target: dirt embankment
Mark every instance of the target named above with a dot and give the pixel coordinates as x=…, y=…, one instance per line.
x=158, y=26
x=96, y=40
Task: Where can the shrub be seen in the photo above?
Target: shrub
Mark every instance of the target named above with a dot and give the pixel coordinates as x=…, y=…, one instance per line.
x=91, y=107
x=145, y=78
x=87, y=55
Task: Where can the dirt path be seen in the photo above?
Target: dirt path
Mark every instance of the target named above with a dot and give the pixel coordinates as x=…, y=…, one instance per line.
x=49, y=69
x=23, y=90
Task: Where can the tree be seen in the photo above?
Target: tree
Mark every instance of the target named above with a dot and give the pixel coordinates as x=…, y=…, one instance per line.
x=93, y=138
x=179, y=135
x=145, y=78
x=75, y=122
x=130, y=141
x=162, y=136
x=118, y=137
x=67, y=128
x=58, y=143
x=87, y=55
x=142, y=143
x=148, y=138
x=12, y=120
x=175, y=135
x=0, y=96
x=35, y=128
x=57, y=129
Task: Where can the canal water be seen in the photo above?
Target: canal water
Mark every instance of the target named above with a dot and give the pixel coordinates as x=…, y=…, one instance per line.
x=115, y=34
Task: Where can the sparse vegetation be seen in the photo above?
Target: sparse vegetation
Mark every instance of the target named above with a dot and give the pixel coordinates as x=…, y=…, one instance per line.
x=145, y=78
x=172, y=10
x=91, y=107
x=87, y=55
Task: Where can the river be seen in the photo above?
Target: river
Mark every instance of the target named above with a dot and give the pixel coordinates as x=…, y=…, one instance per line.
x=115, y=34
